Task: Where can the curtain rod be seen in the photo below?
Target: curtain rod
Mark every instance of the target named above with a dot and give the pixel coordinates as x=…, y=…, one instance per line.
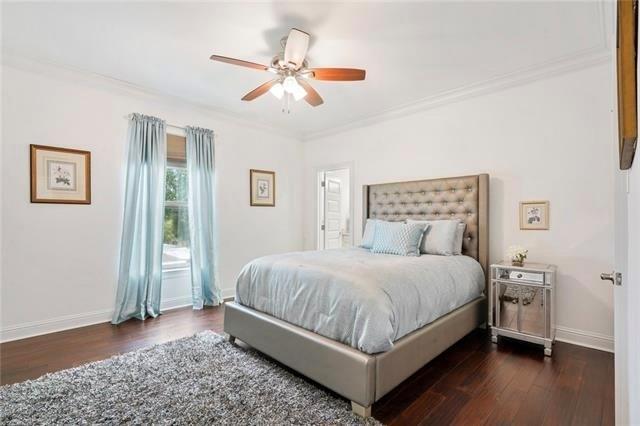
x=184, y=129
x=128, y=117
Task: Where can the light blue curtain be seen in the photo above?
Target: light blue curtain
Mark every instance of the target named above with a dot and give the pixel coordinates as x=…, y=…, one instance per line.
x=140, y=276
x=202, y=221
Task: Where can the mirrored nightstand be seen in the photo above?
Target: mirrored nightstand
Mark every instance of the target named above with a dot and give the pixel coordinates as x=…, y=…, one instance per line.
x=521, y=303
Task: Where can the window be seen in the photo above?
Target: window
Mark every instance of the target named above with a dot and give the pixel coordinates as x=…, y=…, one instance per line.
x=176, y=253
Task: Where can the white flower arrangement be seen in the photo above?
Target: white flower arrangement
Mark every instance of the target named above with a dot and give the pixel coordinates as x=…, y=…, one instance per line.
x=517, y=254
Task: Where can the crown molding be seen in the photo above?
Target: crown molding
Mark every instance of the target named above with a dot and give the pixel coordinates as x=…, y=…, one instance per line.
x=576, y=61
x=566, y=64
x=55, y=69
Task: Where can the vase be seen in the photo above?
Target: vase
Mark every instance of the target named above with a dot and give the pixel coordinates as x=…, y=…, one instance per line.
x=517, y=262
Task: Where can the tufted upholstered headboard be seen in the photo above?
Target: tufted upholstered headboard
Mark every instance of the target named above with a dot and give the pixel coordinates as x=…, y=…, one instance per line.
x=464, y=197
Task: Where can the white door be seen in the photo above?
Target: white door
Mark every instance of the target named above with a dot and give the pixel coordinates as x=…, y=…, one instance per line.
x=620, y=300
x=332, y=214
x=627, y=297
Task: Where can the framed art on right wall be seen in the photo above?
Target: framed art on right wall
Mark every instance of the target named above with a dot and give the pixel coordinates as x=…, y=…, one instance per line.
x=534, y=215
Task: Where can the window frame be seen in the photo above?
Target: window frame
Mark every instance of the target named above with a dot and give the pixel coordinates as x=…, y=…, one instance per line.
x=185, y=265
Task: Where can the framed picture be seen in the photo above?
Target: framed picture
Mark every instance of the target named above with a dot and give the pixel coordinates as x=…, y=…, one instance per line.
x=263, y=188
x=60, y=175
x=534, y=215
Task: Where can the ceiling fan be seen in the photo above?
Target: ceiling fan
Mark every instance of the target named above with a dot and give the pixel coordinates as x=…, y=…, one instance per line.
x=292, y=70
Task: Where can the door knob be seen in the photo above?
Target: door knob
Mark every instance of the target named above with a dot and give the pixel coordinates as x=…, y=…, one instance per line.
x=614, y=277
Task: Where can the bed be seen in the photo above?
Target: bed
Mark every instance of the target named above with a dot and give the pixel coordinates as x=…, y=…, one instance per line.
x=359, y=323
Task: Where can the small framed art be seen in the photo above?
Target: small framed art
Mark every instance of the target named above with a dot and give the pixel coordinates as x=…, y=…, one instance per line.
x=263, y=188
x=534, y=215
x=60, y=175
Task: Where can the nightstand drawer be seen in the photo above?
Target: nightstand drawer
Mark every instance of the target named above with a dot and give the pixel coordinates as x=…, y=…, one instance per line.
x=536, y=277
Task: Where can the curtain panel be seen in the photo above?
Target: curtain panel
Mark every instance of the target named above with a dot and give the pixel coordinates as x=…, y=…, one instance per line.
x=202, y=219
x=140, y=273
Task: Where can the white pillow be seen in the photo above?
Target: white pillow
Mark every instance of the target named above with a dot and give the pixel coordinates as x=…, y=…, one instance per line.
x=398, y=238
x=457, y=245
x=369, y=233
x=440, y=236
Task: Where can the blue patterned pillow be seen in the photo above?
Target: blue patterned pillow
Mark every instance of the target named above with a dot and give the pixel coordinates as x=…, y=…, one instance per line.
x=369, y=232
x=398, y=238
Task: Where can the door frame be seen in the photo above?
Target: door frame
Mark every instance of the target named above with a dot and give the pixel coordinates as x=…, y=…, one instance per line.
x=316, y=204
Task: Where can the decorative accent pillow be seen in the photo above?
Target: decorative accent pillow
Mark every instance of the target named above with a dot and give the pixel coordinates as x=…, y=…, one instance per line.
x=457, y=245
x=440, y=236
x=398, y=238
x=369, y=232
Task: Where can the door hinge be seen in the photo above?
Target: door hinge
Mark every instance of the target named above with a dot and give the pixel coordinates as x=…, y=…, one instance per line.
x=322, y=227
x=322, y=184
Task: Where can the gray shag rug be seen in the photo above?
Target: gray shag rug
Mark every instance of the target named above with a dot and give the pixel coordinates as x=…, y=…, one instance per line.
x=202, y=379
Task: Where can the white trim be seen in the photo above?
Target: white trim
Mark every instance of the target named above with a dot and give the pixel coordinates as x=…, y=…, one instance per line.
x=228, y=292
x=548, y=69
x=54, y=69
x=565, y=64
x=179, y=272
x=350, y=165
x=175, y=303
x=585, y=338
x=68, y=322
x=52, y=325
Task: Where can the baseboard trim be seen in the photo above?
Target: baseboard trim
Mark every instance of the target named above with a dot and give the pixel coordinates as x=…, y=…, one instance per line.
x=52, y=325
x=229, y=293
x=175, y=303
x=584, y=338
x=68, y=322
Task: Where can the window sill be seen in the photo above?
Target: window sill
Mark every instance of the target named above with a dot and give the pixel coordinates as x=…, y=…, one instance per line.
x=176, y=271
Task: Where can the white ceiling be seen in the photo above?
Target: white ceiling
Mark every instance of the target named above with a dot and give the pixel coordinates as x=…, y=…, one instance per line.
x=411, y=51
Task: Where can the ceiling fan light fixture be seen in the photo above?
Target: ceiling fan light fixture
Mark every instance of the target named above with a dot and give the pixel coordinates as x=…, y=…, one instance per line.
x=277, y=90
x=298, y=92
x=289, y=84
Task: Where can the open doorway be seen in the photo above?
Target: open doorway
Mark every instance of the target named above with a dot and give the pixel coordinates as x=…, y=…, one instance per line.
x=334, y=208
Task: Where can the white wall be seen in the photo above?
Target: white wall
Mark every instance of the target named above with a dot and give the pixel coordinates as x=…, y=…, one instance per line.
x=60, y=262
x=547, y=140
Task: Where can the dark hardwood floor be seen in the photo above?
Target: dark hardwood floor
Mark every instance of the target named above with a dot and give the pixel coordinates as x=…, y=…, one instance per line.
x=474, y=382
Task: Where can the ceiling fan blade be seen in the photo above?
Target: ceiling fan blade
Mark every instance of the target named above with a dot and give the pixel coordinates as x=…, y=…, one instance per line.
x=337, y=74
x=312, y=98
x=239, y=62
x=296, y=48
x=260, y=90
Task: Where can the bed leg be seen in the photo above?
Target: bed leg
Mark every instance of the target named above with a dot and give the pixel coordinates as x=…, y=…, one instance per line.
x=232, y=339
x=360, y=410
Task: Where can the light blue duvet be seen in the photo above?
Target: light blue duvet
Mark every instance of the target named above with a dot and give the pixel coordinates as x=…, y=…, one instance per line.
x=362, y=299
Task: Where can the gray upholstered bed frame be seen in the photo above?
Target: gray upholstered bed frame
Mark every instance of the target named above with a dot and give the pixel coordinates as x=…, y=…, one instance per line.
x=364, y=378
